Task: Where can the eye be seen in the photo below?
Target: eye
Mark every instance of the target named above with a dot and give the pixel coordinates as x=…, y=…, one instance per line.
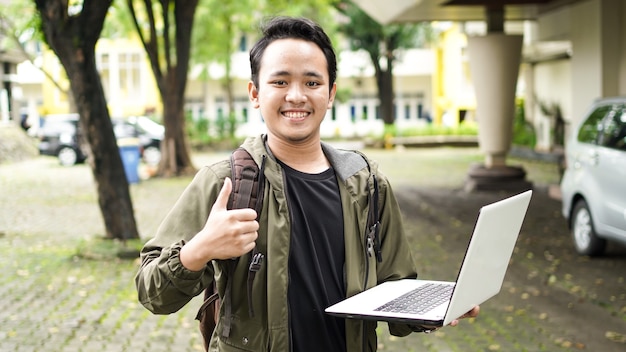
x=279, y=83
x=312, y=84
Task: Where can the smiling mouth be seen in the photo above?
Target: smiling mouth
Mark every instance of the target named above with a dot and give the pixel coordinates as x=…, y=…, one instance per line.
x=295, y=115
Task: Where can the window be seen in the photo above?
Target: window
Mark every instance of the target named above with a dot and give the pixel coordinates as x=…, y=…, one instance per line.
x=243, y=44
x=105, y=74
x=589, y=130
x=130, y=64
x=613, y=133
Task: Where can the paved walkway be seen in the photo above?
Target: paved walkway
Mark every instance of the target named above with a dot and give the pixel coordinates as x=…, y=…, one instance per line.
x=54, y=300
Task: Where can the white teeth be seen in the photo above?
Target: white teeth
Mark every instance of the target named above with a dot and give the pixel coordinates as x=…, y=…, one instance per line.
x=295, y=115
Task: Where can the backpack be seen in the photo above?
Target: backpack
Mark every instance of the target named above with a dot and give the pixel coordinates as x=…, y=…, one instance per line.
x=248, y=182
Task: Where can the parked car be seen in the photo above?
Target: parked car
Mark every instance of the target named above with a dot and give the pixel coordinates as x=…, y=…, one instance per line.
x=149, y=133
x=60, y=136
x=593, y=187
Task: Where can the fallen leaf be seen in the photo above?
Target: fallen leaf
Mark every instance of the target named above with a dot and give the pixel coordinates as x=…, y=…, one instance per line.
x=615, y=336
x=494, y=347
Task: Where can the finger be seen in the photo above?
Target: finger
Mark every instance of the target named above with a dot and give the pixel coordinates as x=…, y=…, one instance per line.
x=221, y=203
x=472, y=313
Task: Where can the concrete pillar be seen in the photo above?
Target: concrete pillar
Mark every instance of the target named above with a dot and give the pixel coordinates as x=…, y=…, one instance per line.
x=4, y=106
x=494, y=65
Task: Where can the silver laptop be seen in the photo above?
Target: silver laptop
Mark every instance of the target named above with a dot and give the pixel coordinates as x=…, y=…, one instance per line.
x=437, y=303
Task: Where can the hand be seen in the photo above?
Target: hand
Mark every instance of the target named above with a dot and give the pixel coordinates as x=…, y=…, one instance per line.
x=226, y=233
x=471, y=314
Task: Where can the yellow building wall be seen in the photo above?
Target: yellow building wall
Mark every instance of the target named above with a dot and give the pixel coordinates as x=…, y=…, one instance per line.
x=452, y=88
x=55, y=87
x=116, y=67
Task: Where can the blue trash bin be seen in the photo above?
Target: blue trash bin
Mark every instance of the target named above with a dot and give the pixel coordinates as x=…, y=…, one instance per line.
x=129, y=151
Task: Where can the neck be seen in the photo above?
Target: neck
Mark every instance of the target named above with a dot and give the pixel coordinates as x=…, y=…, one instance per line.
x=307, y=157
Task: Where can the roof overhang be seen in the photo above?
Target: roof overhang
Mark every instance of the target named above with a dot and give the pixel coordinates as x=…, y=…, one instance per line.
x=403, y=11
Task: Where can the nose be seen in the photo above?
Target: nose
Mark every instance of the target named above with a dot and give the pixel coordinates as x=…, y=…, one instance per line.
x=296, y=94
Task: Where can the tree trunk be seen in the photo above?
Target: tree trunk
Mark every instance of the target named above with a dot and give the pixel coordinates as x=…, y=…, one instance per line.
x=170, y=64
x=73, y=40
x=384, y=82
x=175, y=155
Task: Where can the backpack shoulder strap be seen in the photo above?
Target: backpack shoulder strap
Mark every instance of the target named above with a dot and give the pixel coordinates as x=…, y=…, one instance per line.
x=248, y=187
x=248, y=183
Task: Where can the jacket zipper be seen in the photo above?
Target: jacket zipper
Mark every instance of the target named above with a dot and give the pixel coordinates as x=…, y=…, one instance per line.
x=288, y=272
x=368, y=251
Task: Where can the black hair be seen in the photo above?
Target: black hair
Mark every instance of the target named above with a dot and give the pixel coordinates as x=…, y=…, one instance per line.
x=292, y=28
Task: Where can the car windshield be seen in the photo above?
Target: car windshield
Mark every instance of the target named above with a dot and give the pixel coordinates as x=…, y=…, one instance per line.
x=148, y=126
x=57, y=127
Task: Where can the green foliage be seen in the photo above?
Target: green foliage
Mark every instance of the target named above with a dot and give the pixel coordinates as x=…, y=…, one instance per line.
x=197, y=129
x=219, y=134
x=343, y=95
x=19, y=24
x=119, y=23
x=465, y=128
x=553, y=111
x=383, y=44
x=523, y=132
x=220, y=24
x=378, y=40
x=225, y=126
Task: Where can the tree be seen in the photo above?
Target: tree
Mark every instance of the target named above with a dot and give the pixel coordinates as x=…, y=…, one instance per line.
x=167, y=41
x=381, y=43
x=217, y=42
x=20, y=30
x=72, y=32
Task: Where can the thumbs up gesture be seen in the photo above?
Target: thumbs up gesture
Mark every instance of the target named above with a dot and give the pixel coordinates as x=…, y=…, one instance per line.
x=226, y=234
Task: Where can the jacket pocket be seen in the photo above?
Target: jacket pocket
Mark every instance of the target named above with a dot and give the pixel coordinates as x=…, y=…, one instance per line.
x=244, y=336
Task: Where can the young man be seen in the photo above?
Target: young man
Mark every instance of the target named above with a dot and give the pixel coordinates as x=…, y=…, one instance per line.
x=312, y=229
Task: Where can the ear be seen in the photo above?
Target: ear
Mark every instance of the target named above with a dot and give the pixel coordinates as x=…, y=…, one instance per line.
x=331, y=98
x=253, y=94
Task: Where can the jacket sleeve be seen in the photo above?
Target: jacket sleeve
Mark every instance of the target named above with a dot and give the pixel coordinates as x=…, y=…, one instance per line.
x=397, y=258
x=164, y=285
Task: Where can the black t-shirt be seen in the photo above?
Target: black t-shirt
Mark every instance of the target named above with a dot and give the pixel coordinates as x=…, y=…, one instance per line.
x=316, y=260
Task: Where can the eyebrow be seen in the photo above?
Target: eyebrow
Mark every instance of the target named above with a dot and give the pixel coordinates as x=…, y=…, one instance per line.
x=287, y=73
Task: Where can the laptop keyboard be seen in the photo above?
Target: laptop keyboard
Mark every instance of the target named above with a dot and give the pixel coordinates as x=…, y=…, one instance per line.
x=420, y=300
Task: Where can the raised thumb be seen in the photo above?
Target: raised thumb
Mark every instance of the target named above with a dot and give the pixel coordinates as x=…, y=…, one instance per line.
x=221, y=203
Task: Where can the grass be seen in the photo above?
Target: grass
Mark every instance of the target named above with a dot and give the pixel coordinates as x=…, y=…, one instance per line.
x=104, y=249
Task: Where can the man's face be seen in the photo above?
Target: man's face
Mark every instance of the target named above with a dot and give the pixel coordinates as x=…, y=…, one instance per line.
x=294, y=91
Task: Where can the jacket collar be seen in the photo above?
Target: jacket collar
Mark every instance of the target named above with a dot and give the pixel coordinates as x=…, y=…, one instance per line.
x=345, y=163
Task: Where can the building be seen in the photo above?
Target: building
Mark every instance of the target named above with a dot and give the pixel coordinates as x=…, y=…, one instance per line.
x=130, y=89
x=10, y=92
x=572, y=53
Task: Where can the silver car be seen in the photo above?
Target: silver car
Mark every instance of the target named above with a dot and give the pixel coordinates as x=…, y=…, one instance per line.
x=593, y=187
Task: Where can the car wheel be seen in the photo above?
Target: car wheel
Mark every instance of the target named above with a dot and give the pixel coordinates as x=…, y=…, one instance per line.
x=584, y=235
x=152, y=155
x=67, y=156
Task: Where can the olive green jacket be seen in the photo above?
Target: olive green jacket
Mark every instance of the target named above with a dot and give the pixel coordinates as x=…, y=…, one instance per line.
x=164, y=285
